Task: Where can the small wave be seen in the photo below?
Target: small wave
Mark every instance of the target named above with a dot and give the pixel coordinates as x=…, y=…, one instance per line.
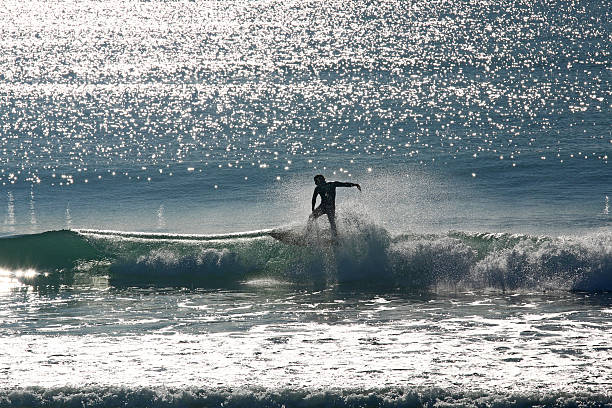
x=168, y=397
x=366, y=254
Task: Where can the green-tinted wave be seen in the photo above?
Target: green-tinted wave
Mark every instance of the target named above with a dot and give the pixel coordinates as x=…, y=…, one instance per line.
x=365, y=255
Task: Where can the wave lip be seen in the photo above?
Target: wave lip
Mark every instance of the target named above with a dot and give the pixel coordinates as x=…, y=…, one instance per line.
x=173, y=237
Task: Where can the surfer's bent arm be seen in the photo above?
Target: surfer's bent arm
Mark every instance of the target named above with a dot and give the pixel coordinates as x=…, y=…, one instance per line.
x=341, y=184
x=314, y=197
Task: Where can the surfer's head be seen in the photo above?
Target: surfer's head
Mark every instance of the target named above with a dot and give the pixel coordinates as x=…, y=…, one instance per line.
x=319, y=179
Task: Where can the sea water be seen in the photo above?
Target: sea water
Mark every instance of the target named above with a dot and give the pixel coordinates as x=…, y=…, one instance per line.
x=148, y=149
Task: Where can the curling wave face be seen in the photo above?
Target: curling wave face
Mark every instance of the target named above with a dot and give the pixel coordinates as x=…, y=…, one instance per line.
x=366, y=254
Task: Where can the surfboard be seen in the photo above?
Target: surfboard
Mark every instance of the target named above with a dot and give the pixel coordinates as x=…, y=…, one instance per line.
x=298, y=237
x=288, y=236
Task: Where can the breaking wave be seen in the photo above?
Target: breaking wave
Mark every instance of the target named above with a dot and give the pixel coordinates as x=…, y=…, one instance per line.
x=227, y=397
x=366, y=254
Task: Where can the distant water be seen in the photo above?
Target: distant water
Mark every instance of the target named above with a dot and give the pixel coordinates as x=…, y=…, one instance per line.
x=148, y=148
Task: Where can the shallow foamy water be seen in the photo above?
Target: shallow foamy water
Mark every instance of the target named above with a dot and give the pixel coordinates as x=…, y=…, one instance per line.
x=274, y=337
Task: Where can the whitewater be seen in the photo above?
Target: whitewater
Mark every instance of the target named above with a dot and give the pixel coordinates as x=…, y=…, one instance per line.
x=156, y=176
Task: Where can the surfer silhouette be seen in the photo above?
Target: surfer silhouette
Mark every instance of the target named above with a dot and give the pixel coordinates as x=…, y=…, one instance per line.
x=327, y=191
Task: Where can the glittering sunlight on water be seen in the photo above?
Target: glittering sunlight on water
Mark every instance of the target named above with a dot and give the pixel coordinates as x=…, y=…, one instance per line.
x=153, y=89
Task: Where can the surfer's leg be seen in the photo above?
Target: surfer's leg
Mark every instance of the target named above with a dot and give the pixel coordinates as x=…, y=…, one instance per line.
x=332, y=224
x=315, y=214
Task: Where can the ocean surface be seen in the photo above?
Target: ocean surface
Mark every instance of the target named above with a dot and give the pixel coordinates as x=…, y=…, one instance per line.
x=150, y=151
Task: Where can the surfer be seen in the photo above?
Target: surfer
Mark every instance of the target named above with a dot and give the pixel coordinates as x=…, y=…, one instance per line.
x=327, y=191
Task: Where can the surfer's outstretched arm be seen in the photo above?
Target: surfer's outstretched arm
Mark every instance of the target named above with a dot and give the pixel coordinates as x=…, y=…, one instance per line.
x=341, y=184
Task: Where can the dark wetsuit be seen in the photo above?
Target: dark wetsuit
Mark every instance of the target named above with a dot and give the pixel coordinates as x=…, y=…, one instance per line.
x=327, y=191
